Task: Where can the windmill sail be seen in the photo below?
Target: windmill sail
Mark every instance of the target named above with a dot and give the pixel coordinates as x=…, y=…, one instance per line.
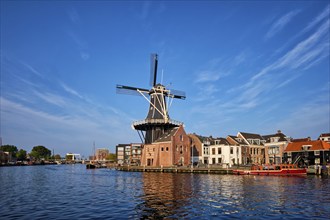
x=157, y=121
x=153, y=69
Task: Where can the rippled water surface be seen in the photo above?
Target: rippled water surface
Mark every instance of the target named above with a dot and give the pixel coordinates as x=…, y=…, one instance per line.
x=73, y=192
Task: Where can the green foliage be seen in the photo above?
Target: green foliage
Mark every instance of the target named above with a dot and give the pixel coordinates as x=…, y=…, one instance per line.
x=9, y=148
x=39, y=152
x=21, y=155
x=111, y=157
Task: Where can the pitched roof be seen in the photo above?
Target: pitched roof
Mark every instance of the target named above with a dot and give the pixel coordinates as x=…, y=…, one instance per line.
x=251, y=136
x=168, y=135
x=325, y=135
x=281, y=136
x=315, y=145
x=236, y=139
x=221, y=141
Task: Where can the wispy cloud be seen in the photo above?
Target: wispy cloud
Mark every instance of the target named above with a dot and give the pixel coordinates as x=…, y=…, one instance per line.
x=279, y=24
x=81, y=44
x=51, y=98
x=207, y=76
x=31, y=69
x=304, y=53
x=74, y=16
x=70, y=90
x=322, y=16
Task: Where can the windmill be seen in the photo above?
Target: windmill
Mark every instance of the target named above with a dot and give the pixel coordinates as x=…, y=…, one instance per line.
x=160, y=98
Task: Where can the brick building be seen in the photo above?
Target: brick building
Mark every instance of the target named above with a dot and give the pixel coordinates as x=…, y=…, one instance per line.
x=172, y=148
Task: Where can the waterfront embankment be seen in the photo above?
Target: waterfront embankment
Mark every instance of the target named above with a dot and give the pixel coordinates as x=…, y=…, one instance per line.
x=209, y=170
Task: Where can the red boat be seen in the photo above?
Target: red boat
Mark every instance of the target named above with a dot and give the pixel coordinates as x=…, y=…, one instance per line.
x=273, y=170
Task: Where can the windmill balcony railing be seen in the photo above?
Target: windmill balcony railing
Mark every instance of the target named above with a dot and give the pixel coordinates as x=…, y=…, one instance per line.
x=156, y=121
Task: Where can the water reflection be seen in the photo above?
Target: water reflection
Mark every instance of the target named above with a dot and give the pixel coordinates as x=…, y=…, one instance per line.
x=72, y=192
x=164, y=194
x=176, y=196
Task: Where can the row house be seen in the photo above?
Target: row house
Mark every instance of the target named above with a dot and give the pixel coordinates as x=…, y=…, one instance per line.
x=172, y=148
x=222, y=152
x=275, y=145
x=255, y=147
x=307, y=152
x=325, y=137
x=197, y=147
x=215, y=151
x=244, y=148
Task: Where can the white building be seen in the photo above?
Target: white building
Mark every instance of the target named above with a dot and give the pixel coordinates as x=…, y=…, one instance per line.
x=221, y=152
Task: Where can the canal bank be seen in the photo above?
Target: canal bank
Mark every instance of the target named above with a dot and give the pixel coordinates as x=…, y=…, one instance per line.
x=205, y=170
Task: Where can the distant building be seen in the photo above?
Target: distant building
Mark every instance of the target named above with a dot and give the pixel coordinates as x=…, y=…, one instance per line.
x=136, y=154
x=325, y=137
x=123, y=153
x=4, y=157
x=129, y=153
x=101, y=153
x=307, y=152
x=172, y=148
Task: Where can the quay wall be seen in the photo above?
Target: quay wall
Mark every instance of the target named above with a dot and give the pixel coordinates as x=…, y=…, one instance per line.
x=176, y=169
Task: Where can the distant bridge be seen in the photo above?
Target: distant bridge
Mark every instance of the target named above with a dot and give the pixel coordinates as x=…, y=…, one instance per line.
x=75, y=157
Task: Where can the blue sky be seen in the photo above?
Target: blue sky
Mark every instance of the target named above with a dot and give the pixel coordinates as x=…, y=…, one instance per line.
x=251, y=66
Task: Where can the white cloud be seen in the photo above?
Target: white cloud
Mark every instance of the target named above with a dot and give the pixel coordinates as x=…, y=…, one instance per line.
x=70, y=90
x=33, y=70
x=281, y=23
x=207, y=76
x=323, y=15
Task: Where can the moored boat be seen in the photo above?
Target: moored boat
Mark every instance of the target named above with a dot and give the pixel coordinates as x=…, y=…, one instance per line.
x=90, y=166
x=273, y=170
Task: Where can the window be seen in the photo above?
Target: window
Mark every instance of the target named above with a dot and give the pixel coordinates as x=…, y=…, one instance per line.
x=306, y=147
x=317, y=153
x=213, y=160
x=181, y=137
x=162, y=149
x=219, y=160
x=231, y=150
x=166, y=148
x=213, y=151
x=219, y=150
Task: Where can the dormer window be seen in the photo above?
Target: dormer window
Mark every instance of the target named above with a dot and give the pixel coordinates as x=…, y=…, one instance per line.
x=306, y=147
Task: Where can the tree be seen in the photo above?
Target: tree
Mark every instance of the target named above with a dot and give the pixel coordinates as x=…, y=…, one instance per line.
x=21, y=155
x=39, y=152
x=111, y=157
x=9, y=148
x=57, y=157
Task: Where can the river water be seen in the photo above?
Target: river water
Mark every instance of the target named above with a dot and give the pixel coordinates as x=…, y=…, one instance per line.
x=73, y=192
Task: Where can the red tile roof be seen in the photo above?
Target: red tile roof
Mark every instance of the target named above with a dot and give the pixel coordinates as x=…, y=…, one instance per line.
x=315, y=145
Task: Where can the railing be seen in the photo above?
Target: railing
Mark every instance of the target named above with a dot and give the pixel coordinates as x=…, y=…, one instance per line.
x=296, y=159
x=156, y=121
